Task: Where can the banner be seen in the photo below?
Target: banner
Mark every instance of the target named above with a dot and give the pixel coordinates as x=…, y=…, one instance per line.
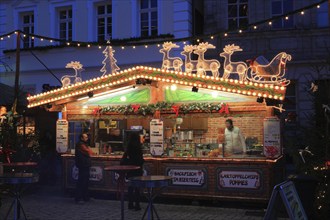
x=187, y=177
x=62, y=136
x=272, y=137
x=238, y=179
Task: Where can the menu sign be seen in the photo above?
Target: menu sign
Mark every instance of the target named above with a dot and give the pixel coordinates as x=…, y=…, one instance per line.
x=95, y=173
x=156, y=137
x=187, y=177
x=290, y=199
x=238, y=179
x=272, y=137
x=62, y=135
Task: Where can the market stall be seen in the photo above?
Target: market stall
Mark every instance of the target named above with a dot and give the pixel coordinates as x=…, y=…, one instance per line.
x=182, y=115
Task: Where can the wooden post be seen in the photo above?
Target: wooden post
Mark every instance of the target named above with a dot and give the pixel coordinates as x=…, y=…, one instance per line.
x=18, y=56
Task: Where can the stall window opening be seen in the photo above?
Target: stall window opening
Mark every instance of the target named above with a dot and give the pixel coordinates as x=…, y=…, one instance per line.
x=75, y=129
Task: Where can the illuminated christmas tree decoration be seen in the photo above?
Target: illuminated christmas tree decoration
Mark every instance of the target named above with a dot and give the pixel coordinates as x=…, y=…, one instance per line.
x=170, y=62
x=206, y=65
x=109, y=62
x=77, y=66
x=233, y=67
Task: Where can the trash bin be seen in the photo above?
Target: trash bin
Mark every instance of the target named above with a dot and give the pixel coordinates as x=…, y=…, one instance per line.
x=305, y=186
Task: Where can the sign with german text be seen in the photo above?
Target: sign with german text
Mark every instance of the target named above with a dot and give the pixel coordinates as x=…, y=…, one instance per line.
x=272, y=137
x=62, y=136
x=156, y=137
x=238, y=179
x=290, y=199
x=187, y=177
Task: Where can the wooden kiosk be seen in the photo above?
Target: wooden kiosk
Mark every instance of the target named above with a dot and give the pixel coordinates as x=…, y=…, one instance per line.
x=192, y=109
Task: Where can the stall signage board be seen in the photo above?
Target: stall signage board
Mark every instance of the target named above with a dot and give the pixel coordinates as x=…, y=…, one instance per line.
x=62, y=136
x=156, y=137
x=187, y=177
x=290, y=199
x=95, y=173
x=272, y=137
x=238, y=179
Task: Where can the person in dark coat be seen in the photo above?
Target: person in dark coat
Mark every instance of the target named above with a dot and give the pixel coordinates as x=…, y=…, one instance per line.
x=83, y=161
x=134, y=156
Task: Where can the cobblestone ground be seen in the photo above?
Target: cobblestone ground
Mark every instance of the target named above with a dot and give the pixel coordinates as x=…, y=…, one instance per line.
x=40, y=205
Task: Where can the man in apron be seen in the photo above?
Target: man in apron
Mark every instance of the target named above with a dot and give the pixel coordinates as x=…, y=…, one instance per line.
x=234, y=139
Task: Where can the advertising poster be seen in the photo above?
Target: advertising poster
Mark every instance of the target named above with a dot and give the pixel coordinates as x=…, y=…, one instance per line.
x=62, y=136
x=272, y=137
x=156, y=137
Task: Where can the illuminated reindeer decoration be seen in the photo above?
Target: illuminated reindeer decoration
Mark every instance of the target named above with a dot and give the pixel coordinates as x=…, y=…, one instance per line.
x=233, y=67
x=170, y=62
x=77, y=66
x=190, y=65
x=206, y=65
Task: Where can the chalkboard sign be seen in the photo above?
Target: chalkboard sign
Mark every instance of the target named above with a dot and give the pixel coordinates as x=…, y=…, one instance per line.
x=291, y=201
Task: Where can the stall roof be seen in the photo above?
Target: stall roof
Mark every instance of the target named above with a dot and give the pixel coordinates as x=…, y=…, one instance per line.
x=97, y=85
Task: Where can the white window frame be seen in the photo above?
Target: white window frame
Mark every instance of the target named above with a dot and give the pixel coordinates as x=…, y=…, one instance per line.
x=67, y=21
x=238, y=17
x=54, y=8
x=105, y=16
x=17, y=15
x=29, y=40
x=149, y=10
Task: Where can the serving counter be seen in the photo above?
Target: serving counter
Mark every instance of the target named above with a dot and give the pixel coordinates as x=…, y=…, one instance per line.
x=247, y=178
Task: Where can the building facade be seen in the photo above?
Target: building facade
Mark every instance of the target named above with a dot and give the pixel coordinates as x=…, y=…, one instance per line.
x=304, y=35
x=86, y=21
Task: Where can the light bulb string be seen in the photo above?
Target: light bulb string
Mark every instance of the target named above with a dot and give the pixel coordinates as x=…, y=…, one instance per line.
x=147, y=42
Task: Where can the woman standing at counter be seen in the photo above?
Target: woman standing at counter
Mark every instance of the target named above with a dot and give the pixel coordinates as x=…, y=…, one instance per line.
x=134, y=156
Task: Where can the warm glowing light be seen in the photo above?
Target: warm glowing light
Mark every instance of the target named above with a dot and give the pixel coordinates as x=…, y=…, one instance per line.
x=225, y=34
x=146, y=46
x=240, y=31
x=122, y=48
x=286, y=17
x=123, y=98
x=254, y=27
x=212, y=37
x=133, y=47
x=302, y=12
x=318, y=6
x=173, y=87
x=270, y=23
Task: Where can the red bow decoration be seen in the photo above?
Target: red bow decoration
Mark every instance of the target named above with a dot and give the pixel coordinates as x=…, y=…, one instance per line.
x=176, y=108
x=135, y=108
x=224, y=109
x=96, y=111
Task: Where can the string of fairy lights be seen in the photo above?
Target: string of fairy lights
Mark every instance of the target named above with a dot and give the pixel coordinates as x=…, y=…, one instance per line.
x=133, y=43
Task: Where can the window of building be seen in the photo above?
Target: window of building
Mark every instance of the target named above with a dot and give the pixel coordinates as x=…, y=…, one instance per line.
x=27, y=26
x=148, y=18
x=237, y=14
x=323, y=15
x=280, y=7
x=104, y=22
x=65, y=24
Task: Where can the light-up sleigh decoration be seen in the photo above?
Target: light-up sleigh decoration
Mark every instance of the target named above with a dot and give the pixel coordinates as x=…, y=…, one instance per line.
x=76, y=78
x=259, y=70
x=272, y=72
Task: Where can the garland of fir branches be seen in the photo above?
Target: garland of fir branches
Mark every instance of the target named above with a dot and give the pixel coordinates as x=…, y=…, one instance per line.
x=162, y=106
